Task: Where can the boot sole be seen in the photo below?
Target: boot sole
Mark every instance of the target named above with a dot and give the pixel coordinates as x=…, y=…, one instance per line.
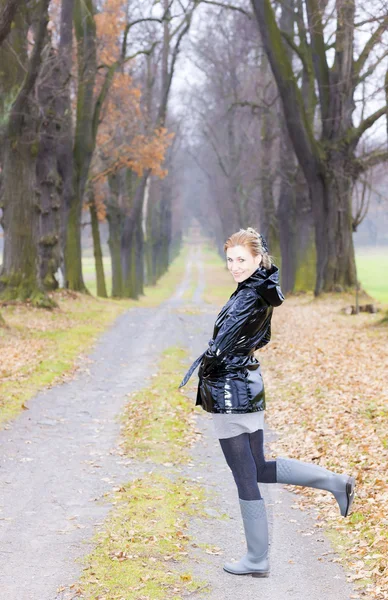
x=350, y=494
x=258, y=574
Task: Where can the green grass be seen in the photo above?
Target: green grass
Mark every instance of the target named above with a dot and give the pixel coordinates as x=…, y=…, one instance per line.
x=161, y=427
x=153, y=295
x=86, y=318
x=372, y=271
x=143, y=541
x=64, y=334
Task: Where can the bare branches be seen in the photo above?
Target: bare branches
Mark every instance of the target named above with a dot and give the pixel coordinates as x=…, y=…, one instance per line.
x=356, y=134
x=367, y=161
x=362, y=193
x=371, y=43
x=228, y=6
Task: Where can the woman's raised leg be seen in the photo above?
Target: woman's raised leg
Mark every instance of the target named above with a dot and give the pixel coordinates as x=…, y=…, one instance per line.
x=296, y=472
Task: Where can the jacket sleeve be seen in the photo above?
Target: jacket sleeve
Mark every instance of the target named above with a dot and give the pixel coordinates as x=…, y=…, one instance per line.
x=230, y=331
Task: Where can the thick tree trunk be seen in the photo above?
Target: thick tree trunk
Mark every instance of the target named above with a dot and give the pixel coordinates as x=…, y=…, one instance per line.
x=7, y=13
x=336, y=265
x=19, y=277
x=48, y=179
x=64, y=120
x=97, y=250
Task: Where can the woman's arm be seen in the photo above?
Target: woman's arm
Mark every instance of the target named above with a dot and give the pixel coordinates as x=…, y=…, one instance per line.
x=229, y=333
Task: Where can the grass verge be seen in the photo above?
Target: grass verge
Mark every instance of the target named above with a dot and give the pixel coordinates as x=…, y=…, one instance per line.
x=141, y=551
x=39, y=348
x=162, y=426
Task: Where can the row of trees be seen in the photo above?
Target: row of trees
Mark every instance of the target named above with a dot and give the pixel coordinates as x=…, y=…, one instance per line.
x=278, y=130
x=84, y=88
x=287, y=125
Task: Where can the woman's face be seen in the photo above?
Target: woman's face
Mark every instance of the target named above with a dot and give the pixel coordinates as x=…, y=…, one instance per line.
x=241, y=263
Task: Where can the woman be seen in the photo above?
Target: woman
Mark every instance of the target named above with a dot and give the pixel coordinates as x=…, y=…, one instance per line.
x=231, y=388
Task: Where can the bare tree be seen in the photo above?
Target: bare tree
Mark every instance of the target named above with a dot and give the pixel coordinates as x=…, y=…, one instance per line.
x=328, y=154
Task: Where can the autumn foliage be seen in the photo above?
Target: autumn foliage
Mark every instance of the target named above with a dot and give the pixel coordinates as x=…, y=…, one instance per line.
x=126, y=138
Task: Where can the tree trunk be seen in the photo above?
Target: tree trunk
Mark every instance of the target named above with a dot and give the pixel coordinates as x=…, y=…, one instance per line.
x=149, y=216
x=139, y=250
x=131, y=220
x=7, y=13
x=114, y=217
x=64, y=121
x=165, y=225
x=268, y=218
x=85, y=29
x=19, y=277
x=97, y=250
x=336, y=266
x=48, y=180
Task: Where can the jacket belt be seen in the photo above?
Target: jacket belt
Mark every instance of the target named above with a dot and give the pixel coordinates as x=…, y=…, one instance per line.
x=194, y=366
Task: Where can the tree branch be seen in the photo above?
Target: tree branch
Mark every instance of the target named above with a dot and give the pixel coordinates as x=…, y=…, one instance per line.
x=6, y=17
x=357, y=132
x=163, y=105
x=228, y=6
x=372, y=41
x=371, y=69
x=321, y=68
x=366, y=161
x=298, y=125
x=33, y=68
x=297, y=49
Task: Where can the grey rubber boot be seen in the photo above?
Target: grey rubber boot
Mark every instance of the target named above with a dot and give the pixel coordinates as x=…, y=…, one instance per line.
x=255, y=562
x=296, y=472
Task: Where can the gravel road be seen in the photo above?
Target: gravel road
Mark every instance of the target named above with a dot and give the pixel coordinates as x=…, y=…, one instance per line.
x=59, y=457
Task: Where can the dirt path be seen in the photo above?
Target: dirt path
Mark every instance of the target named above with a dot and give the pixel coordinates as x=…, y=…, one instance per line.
x=59, y=458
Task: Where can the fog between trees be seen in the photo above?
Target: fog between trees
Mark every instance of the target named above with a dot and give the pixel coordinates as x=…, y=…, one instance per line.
x=278, y=121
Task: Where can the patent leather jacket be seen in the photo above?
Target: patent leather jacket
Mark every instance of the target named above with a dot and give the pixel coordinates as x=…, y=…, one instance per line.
x=229, y=375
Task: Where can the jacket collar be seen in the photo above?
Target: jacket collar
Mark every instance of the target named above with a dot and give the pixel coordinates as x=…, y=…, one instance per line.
x=266, y=283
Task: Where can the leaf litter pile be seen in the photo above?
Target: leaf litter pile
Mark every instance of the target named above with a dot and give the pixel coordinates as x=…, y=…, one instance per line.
x=326, y=377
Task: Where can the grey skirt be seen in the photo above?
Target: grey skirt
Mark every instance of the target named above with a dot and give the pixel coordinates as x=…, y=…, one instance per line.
x=230, y=425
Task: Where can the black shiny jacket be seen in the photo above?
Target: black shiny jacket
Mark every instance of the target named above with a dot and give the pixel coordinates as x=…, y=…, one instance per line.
x=229, y=375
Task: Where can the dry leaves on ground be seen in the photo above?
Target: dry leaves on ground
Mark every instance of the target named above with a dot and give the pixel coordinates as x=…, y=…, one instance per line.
x=326, y=382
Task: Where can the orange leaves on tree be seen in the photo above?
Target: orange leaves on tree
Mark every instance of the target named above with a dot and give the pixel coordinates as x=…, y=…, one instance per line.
x=110, y=23
x=123, y=139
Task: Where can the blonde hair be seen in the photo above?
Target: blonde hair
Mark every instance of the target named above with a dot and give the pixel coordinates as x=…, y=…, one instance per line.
x=253, y=241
